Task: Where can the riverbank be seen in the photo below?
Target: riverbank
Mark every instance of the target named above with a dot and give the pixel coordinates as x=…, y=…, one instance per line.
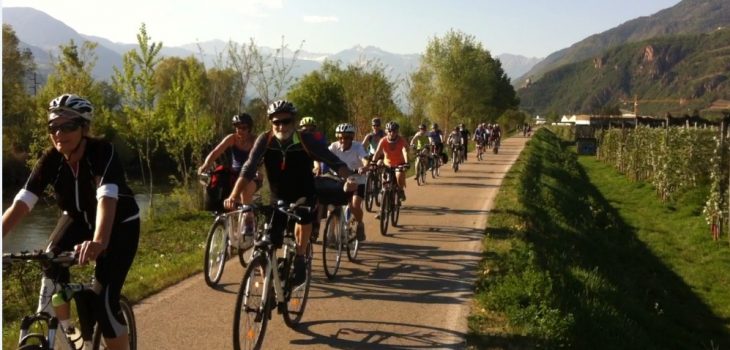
x=576, y=256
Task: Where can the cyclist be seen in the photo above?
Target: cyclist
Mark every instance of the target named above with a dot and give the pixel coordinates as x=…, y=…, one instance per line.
x=309, y=126
x=464, y=139
x=100, y=214
x=437, y=138
x=394, y=151
x=420, y=141
x=372, y=139
x=354, y=155
x=240, y=143
x=455, y=141
x=288, y=157
x=480, y=136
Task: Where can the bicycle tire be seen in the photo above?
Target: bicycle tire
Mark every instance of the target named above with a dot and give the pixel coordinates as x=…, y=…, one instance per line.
x=368, y=194
x=255, y=310
x=128, y=315
x=395, y=211
x=38, y=337
x=297, y=301
x=384, y=213
x=332, y=243
x=353, y=246
x=245, y=253
x=216, y=246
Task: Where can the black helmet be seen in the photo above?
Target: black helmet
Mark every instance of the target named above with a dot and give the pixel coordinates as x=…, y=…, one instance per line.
x=243, y=118
x=422, y=126
x=281, y=106
x=392, y=126
x=434, y=126
x=375, y=122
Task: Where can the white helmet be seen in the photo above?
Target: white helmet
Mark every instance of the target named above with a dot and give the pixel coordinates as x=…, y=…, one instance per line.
x=345, y=128
x=70, y=103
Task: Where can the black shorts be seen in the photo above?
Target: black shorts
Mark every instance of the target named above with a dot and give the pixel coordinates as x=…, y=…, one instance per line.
x=279, y=221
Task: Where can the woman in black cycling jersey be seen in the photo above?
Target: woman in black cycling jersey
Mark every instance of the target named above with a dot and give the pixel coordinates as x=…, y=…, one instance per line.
x=89, y=185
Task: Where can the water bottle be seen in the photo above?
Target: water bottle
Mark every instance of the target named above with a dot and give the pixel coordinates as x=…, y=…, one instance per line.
x=59, y=298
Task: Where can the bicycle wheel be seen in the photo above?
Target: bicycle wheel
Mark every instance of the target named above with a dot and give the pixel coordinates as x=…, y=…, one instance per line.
x=298, y=297
x=395, y=210
x=385, y=212
x=353, y=244
x=34, y=341
x=332, y=243
x=215, y=253
x=98, y=341
x=369, y=192
x=251, y=313
x=245, y=250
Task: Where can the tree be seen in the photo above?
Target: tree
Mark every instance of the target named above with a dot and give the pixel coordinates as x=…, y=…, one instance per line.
x=272, y=73
x=18, y=66
x=315, y=95
x=135, y=84
x=354, y=94
x=458, y=81
x=183, y=110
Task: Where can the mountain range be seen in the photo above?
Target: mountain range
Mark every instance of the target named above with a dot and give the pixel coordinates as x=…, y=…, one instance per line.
x=42, y=34
x=675, y=61
x=686, y=17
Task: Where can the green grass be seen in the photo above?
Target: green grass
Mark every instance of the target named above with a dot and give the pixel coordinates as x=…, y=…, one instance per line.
x=576, y=256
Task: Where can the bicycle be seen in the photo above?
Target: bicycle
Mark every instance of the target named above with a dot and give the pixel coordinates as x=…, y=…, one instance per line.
x=372, y=188
x=480, y=149
x=267, y=283
x=437, y=162
x=422, y=162
x=46, y=325
x=457, y=152
x=390, y=208
x=224, y=237
x=495, y=146
x=339, y=234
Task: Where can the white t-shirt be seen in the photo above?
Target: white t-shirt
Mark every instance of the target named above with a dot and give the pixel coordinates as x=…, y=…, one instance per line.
x=352, y=157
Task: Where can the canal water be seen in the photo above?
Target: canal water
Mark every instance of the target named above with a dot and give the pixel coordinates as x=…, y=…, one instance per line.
x=32, y=233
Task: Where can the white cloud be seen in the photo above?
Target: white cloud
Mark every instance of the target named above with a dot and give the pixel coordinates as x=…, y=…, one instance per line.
x=320, y=19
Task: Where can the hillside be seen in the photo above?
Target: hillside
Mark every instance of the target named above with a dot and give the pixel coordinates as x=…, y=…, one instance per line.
x=673, y=74
x=687, y=17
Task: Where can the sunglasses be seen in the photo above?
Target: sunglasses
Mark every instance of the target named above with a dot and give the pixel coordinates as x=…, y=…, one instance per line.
x=241, y=126
x=280, y=122
x=64, y=128
x=345, y=137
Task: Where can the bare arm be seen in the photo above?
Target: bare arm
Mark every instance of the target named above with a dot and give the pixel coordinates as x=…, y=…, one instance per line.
x=225, y=144
x=13, y=215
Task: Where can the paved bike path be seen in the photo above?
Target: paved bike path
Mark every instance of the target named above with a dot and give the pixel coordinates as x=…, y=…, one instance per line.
x=411, y=289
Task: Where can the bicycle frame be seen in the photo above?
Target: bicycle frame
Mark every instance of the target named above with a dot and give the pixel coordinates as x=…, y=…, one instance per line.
x=70, y=290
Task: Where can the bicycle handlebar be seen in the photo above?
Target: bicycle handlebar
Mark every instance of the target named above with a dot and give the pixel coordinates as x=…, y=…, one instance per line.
x=66, y=259
x=289, y=209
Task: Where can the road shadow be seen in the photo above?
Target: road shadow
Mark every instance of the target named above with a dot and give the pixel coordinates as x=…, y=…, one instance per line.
x=354, y=334
x=391, y=271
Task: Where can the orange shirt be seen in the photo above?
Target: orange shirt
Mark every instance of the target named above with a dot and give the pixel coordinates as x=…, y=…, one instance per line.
x=393, y=152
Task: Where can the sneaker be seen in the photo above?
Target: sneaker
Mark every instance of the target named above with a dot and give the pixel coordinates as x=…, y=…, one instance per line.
x=360, y=231
x=300, y=270
x=402, y=195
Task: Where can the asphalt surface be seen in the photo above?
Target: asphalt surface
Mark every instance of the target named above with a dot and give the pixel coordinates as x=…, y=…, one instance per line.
x=411, y=289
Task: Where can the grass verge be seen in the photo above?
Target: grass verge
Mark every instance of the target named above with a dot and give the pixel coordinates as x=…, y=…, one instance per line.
x=576, y=256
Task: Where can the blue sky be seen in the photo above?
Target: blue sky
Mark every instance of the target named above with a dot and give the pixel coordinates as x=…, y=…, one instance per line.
x=533, y=28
